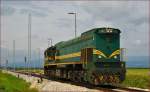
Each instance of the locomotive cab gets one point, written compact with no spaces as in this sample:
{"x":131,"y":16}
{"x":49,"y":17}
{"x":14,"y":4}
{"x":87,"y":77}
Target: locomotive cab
{"x":108,"y":65}
{"x":49,"y":54}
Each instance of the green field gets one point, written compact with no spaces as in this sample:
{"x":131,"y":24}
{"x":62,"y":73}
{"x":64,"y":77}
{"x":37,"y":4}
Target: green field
{"x":9,"y":83}
{"x":137,"y":78}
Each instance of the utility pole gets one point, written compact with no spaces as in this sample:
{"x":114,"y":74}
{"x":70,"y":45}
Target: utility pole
{"x":14,"y":54}
{"x":0,"y":48}
{"x":25,"y":61}
{"x":6,"y":64}
{"x":7,"y":56}
{"x":39,"y":54}
{"x":50,"y":41}
{"x":29,"y":40}
{"x":38,"y":57}
{"x":34,"y":62}
{"x":75,"y":20}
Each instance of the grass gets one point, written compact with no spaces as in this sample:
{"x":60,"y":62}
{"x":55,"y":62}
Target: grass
{"x":36,"y":71}
{"x":9,"y":83}
{"x":137,"y":78}
{"x":32,"y":70}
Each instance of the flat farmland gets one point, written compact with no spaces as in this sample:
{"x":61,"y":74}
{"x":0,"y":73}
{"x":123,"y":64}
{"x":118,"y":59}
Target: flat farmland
{"x":10,"y":83}
{"x":136,"y":77}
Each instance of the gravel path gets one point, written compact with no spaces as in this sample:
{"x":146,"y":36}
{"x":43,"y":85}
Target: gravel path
{"x":52,"y":86}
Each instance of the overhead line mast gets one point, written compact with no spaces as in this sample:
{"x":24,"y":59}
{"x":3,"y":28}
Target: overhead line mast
{"x":0,"y":45}
{"x":50,"y":41}
{"x":14,"y":54}
{"x":29,"y":40}
{"x":75,"y":21}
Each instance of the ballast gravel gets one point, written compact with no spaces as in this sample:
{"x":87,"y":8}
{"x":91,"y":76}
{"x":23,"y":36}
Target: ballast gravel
{"x":52,"y":86}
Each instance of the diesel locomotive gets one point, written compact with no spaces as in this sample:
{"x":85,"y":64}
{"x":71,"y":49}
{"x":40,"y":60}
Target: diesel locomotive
{"x":95,"y":57}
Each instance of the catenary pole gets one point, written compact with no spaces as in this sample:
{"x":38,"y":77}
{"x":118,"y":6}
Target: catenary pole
{"x":29,"y":41}
{"x":14,"y":55}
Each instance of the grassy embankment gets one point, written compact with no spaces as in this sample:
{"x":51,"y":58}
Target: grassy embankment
{"x":137,"y":78}
{"x":9,"y":83}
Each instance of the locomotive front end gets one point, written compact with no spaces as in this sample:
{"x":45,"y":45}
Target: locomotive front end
{"x":108,"y":66}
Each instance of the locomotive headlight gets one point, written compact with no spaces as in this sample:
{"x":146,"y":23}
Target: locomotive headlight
{"x":115,"y":57}
{"x":122,"y":65}
{"x":99,"y":56}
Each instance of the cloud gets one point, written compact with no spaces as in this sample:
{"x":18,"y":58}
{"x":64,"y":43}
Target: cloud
{"x":63,"y":22}
{"x":7,"y":11}
{"x":25,"y":7}
{"x":33,"y":12}
{"x":103,"y":24}
{"x":50,"y":20}
{"x":138,"y":42}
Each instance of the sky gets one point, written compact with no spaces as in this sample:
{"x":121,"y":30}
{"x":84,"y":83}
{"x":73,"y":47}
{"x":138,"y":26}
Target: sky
{"x":50,"y":19}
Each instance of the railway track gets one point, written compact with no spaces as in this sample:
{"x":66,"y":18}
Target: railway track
{"x":104,"y":88}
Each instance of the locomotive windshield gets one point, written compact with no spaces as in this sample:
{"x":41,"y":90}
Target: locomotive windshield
{"x":110,"y":38}
{"x":107,"y":43}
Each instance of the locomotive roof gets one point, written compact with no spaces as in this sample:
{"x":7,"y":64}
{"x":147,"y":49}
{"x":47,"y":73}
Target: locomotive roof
{"x":50,"y":48}
{"x":102,"y":30}
{"x":88,"y":33}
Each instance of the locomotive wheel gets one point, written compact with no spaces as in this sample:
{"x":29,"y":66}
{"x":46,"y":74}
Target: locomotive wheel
{"x":94,"y":80}
{"x":71,"y":75}
{"x":117,"y":80}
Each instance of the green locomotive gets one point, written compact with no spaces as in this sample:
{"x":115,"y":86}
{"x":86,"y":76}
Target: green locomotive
{"x":94,"y":57}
